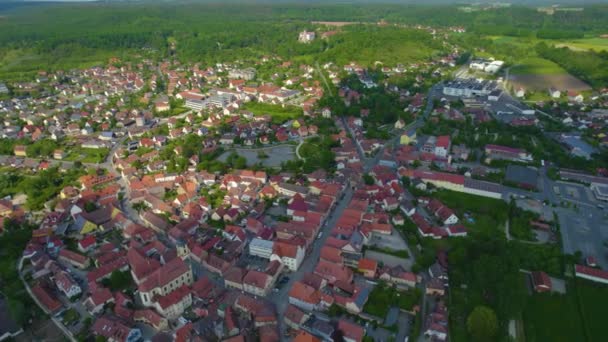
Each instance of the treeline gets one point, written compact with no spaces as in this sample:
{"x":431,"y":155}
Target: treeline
{"x":590,"y":66}
{"x":548,"y":33}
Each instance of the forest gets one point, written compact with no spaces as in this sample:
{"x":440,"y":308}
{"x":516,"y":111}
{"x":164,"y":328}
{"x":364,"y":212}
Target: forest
{"x":63,"y":36}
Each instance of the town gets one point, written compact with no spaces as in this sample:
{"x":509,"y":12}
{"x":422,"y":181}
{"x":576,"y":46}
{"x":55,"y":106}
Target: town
{"x":279,"y":200}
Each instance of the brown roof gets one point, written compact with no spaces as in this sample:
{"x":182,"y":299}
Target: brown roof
{"x":304,"y":293}
{"x":45,"y":298}
{"x":165,"y":274}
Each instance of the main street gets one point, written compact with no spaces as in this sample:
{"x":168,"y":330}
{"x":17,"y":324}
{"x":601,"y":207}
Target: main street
{"x":281,"y":298}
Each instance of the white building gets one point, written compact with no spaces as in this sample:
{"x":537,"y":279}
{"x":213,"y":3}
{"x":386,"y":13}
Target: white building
{"x":289,"y":255}
{"x":67,"y":285}
{"x":306,"y":36}
{"x":261,"y":248}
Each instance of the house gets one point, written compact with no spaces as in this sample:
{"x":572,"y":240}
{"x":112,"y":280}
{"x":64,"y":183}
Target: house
{"x":351,"y":332}
{"x":113,"y":329}
{"x":257,"y":283}
{"x":303,"y":336}
{"x":163,"y":281}
{"x":540,"y":281}
{"x":400,"y":124}
{"x":261,"y":248}
{"x":48,"y":300}
{"x":67,"y":285}
{"x":151,"y":318}
{"x":304,"y":296}
{"x":306,"y":36}
{"x":592,"y":274}
{"x":574,"y":96}
{"x":98,"y":299}
{"x":289,"y":255}
{"x":408,"y":137}
{"x":233,"y":278}
{"x":442,"y":146}
{"x":398,"y":276}
{"x":74,"y":259}
{"x":368,"y":267}
{"x":173,"y":305}
{"x":294,"y":317}
{"x":20,"y":151}
{"x":87,"y":243}
{"x":326,"y":112}
{"x":58,"y":154}
{"x":333,"y":272}
{"x":554,"y":93}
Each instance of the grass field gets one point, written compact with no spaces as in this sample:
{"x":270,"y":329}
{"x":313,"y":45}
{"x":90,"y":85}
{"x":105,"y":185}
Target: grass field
{"x":593,"y":301}
{"x":597,"y":44}
{"x":551,"y":317}
{"x":279,"y":114}
{"x":88,"y":155}
{"x":536,"y":66}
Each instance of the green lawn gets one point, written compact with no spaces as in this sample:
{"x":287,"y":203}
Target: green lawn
{"x":397,"y":253}
{"x":279,"y":114}
{"x":593,"y":301}
{"x":383,"y":297}
{"x":536,"y":66}
{"x":88,"y":155}
{"x":552,"y":317}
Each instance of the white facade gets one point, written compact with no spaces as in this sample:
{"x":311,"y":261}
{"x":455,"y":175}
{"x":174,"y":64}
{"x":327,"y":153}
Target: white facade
{"x":292,"y":263}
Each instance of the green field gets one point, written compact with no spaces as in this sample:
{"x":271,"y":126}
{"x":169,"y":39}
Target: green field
{"x":552,"y":317}
{"x":88,"y":155}
{"x":597,"y":44}
{"x":593,"y":301}
{"x":279,"y":114}
{"x":579,"y":315}
{"x":536,"y":66}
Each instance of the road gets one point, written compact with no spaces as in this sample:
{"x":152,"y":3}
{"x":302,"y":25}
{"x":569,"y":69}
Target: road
{"x":281,"y":298}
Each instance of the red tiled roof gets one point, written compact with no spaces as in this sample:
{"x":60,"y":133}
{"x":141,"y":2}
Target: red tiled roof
{"x":351,"y":331}
{"x":79,"y":258}
{"x":304,"y":293}
{"x":367,"y":264}
{"x":303,"y":336}
{"x":45,"y":298}
{"x":165,"y":274}
{"x":174,"y":297}
{"x":592,"y":272}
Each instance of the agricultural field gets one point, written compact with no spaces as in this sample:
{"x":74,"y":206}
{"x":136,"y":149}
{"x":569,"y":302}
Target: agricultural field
{"x":544,"y":310}
{"x":536,"y":73}
{"x":593,"y":299}
{"x":279,"y":114}
{"x":585,"y":44}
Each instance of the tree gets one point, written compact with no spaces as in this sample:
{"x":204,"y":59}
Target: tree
{"x":369,"y":180}
{"x":120,"y":280}
{"x":482,"y":324}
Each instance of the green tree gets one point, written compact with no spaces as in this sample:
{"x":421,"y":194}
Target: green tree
{"x":482,"y":324}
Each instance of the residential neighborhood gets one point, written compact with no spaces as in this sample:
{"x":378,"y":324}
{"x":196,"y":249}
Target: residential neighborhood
{"x":290,"y":199}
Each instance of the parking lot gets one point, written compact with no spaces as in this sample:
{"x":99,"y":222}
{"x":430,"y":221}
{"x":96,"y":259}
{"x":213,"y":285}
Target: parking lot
{"x":585,"y":230}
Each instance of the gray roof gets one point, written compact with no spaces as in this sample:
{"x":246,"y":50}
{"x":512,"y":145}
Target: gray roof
{"x":522,"y":175}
